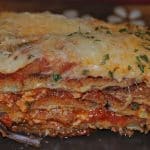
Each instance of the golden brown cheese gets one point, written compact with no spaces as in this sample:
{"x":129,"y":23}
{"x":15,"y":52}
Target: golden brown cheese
{"x":94,"y":48}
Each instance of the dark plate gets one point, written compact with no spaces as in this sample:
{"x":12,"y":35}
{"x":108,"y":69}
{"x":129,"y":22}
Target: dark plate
{"x":100,"y":140}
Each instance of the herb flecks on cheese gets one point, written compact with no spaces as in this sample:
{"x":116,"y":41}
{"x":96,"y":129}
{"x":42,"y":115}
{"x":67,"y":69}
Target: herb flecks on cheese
{"x":73,"y":46}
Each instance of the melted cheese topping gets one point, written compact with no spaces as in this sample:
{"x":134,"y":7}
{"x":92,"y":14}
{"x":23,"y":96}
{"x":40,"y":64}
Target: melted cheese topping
{"x":11,"y":62}
{"x":97,"y":48}
{"x":89,"y":54}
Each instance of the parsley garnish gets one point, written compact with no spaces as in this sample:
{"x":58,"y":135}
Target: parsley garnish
{"x":85,"y":72}
{"x":123,"y":30}
{"x":96,"y":28}
{"x":96,"y":40}
{"x":56,"y":77}
{"x":141,"y":67}
{"x":135,"y":50}
{"x":134,"y":106}
{"x":111,"y":74}
{"x":139,"y":59}
{"x":139,"y":34}
{"x":108,"y":32}
{"x":144,"y":58}
{"x":86,"y":34}
{"x":139,"y":64}
{"x":72,"y":33}
{"x":105,"y":58}
{"x":27,"y":103}
{"x":30,"y":56}
{"x":129,"y":67}
{"x":89,"y":36}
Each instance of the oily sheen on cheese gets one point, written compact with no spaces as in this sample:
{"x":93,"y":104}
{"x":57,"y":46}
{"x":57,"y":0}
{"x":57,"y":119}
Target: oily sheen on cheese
{"x":92,"y":46}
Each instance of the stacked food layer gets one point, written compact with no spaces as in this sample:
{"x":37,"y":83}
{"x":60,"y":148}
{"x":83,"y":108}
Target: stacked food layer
{"x":67,"y":77}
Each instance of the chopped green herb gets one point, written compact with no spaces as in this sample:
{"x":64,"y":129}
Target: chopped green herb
{"x":141,"y":67}
{"x":27,"y":103}
{"x":15,"y":57}
{"x":79,"y":29}
{"x":135,"y":50}
{"x":96,"y":28}
{"x":139,"y":64}
{"x":56,"y":77}
{"x":30,"y":56}
{"x":139,"y":34}
{"x":115,"y":69}
{"x":89,"y":37}
{"x":144,"y":58}
{"x":138,"y":59}
{"x":87,"y":33}
{"x":105,"y":58}
{"x":134,"y":106}
{"x":108,"y":32}
{"x":72,"y":33}
{"x":123,"y":30}
{"x":96,"y":40}
{"x":129,"y":67}
{"x":85,"y":72}
{"x":111,"y":74}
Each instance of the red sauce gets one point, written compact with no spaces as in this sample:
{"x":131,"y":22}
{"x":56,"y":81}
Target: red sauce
{"x":6,"y":120}
{"x":104,"y":115}
{"x":37,"y":66}
{"x":66,"y":66}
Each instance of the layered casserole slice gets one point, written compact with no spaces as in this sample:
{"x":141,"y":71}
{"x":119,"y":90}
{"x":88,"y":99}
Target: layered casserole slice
{"x":67,"y":77}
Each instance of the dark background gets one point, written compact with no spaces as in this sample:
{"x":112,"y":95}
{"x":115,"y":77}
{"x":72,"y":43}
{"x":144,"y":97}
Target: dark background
{"x":100,"y":140}
{"x":97,"y":8}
